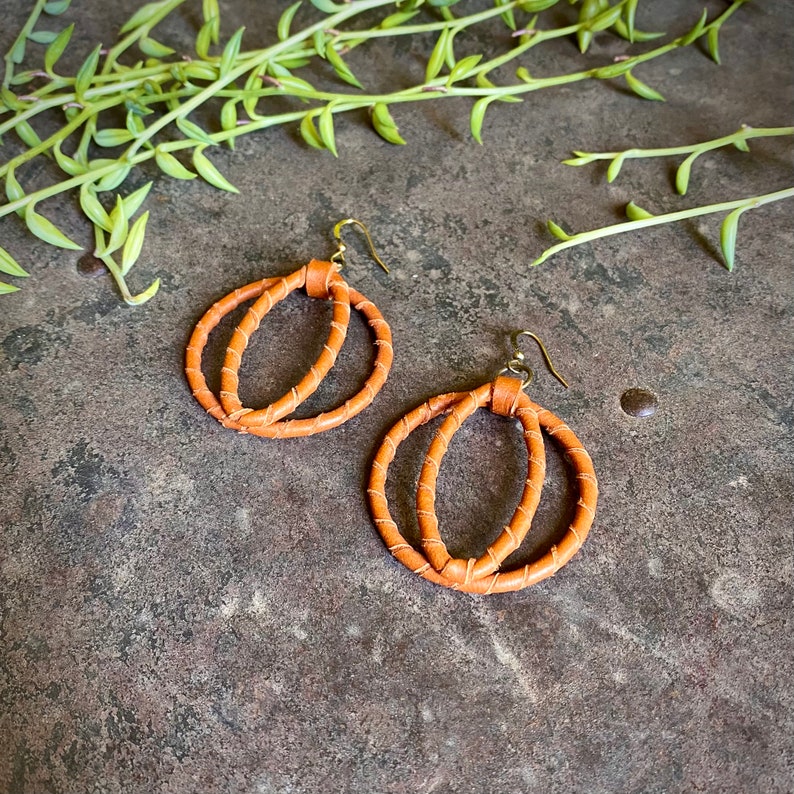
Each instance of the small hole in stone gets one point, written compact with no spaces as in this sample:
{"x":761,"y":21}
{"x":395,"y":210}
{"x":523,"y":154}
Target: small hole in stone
{"x":89,"y":265}
{"x":639,"y":402}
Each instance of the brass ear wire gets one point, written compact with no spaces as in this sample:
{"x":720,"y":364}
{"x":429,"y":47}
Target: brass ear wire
{"x":339,"y":256}
{"x":518,"y":366}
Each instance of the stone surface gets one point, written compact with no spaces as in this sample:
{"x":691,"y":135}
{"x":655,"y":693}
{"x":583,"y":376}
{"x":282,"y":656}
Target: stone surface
{"x":186,"y":609}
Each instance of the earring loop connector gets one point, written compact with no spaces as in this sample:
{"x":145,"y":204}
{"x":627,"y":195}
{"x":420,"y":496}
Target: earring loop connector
{"x":338,"y":257}
{"x":518,"y":366}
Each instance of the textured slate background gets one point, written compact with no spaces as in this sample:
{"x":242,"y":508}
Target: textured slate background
{"x":185,"y":609}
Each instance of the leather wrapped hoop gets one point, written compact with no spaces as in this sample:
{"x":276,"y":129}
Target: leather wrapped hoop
{"x":482,"y":575}
{"x":321,"y":280}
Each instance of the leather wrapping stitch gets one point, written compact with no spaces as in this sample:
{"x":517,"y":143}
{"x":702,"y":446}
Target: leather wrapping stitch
{"x":462,"y":574}
{"x":271,"y":421}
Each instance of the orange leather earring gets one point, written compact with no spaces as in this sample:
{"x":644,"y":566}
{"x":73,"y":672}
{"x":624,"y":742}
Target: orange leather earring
{"x":322,"y":280}
{"x":504,"y":396}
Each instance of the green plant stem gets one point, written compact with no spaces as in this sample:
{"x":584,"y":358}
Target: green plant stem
{"x":186,"y":85}
{"x":27,"y":28}
{"x":247,"y":65}
{"x":745,"y":133}
{"x":670,"y":217}
{"x":345,"y":102}
{"x":111,"y":59}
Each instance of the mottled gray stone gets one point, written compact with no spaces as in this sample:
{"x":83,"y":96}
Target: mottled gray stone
{"x":185,"y":609}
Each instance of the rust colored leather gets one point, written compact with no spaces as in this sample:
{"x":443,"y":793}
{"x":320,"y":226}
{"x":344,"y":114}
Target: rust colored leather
{"x":505,"y":398}
{"x":323,"y":279}
{"x":482,"y":575}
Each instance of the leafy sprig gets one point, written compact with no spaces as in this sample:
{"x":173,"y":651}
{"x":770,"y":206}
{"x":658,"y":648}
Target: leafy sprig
{"x":160,"y":96}
{"x":639,"y":218}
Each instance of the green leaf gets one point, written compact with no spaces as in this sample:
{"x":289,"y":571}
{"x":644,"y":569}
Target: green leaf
{"x":57,"y":47}
{"x":5,"y":289}
{"x":522,"y":73}
{"x":385,"y":125}
{"x":119,"y":228}
{"x":113,"y":178}
{"x":204,"y":39}
{"x":168,"y":164}
{"x":397,"y":19}
{"x":309,"y":133}
{"x":328,"y":7}
{"x":534,"y":6}
{"x":56,"y":7}
{"x":112,"y":136}
{"x":229,"y":115}
{"x":629,"y":14}
{"x":713,"y":41}
{"x":154,"y":49}
{"x":10,"y":265}
{"x":622,"y":30}
{"x":27,"y":133}
{"x":48,"y":231}
{"x":340,"y":67}
{"x":23,"y":78}
{"x":135,"y":124}
{"x":437,"y":56}
{"x":14,"y":190}
{"x":637,"y":213}
{"x":10,"y":99}
{"x":606,"y":19}
{"x":142,"y":297}
{"x":730,"y":226}
{"x":18,"y":53}
{"x":43,"y":36}
{"x":319,"y":42}
{"x":507,"y":16}
{"x":462,"y":68}
{"x":581,"y":160}
{"x":558,"y":231}
{"x":643,"y":90}
{"x":278,"y":70}
{"x":612,"y":70}
{"x":682,"y":174}
{"x":66,"y":163}
{"x":134,"y":243}
{"x":133,"y":202}
{"x":326,"y":128}
{"x":615,"y":166}
{"x":251,"y":101}
{"x":92,"y":209}
{"x":210,"y":173}
{"x":87,"y":71}
{"x":588,"y":10}
{"x":231,"y":51}
{"x":143,"y":15}
{"x":478,"y":115}
{"x":200,"y":71}
{"x":193,"y":131}
{"x":693,"y":34}
{"x":741,"y":145}
{"x":210,"y":9}
{"x":292,"y":83}
{"x":293,"y":63}
{"x":285,"y":21}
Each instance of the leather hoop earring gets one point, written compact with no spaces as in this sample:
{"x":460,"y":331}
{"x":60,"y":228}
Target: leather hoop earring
{"x":504,"y":396}
{"x":321,"y":279}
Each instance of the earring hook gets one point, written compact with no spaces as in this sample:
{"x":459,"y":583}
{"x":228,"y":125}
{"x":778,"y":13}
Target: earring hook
{"x":339,"y":256}
{"x":517,"y":365}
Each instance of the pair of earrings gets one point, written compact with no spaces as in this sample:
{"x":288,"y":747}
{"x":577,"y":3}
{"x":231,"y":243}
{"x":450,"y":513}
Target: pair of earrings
{"x":504,"y":396}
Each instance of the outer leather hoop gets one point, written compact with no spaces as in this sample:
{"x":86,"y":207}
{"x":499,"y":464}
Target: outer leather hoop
{"x":322,"y":280}
{"x":433,"y":562}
